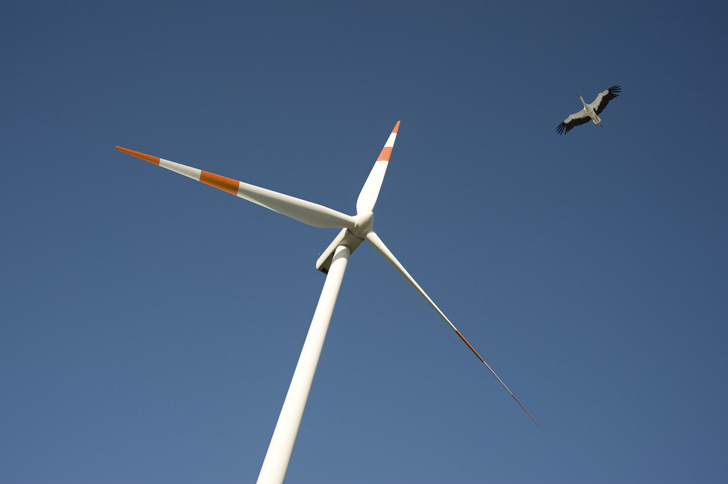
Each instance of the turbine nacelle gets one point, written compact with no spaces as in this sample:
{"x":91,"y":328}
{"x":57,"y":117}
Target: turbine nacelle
{"x":346,"y":238}
{"x":352,"y":238}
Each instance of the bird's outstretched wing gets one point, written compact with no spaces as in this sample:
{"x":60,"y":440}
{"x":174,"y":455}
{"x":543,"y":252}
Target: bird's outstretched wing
{"x":604,"y":97}
{"x":574,"y":120}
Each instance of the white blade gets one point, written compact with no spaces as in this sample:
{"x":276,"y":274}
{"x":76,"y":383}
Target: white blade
{"x":370,"y":191}
{"x":301,"y":210}
{"x":373,"y":239}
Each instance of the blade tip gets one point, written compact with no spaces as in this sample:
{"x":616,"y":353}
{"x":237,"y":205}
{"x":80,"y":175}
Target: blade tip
{"x":524,"y":409}
{"x":143,"y":156}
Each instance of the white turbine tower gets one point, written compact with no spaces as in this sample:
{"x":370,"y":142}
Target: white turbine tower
{"x":354,"y":230}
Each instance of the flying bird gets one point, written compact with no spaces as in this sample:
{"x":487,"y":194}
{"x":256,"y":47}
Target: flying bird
{"x":590,"y":111}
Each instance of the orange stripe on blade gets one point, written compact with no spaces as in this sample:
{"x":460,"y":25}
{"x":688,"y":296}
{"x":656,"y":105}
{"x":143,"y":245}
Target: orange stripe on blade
{"x":469,"y":346}
{"x":222,"y":182}
{"x":149,"y":158}
{"x":396,"y":127}
{"x":385,"y":154}
{"x":524,"y":409}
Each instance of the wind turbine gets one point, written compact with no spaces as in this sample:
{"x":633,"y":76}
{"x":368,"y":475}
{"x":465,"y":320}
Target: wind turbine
{"x":354,"y":230}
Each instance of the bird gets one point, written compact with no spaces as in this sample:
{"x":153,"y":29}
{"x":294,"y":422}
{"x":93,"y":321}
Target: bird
{"x":590,"y":111}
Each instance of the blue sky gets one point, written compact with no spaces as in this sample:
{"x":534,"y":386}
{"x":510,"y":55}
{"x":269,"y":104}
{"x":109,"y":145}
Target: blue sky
{"x":150,"y":324}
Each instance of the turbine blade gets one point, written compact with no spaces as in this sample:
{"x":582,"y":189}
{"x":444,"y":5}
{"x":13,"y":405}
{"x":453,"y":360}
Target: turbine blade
{"x":370,"y":191}
{"x":373,"y":239}
{"x":301,"y":210}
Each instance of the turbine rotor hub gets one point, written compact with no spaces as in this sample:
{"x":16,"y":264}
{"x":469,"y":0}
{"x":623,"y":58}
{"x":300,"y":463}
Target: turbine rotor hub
{"x":363,"y":223}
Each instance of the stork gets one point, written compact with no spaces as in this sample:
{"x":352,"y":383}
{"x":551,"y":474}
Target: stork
{"x":590,"y":111}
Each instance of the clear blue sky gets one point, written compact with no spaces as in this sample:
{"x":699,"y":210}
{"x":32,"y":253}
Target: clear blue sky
{"x":150,"y":324}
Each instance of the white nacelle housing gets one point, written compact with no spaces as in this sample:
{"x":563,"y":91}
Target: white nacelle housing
{"x":344,"y":238}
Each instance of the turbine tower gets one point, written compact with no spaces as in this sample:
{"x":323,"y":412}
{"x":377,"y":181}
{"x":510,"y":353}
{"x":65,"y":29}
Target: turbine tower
{"x":354,"y":230}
